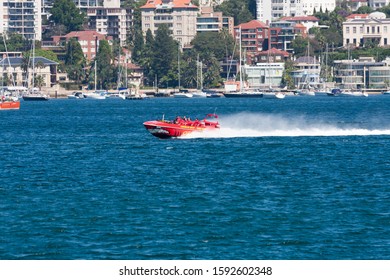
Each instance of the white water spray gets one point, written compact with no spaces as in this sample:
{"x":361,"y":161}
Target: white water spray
{"x":272,"y":125}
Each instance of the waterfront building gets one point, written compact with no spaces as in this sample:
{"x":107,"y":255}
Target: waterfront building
{"x":362,"y":73}
{"x":306,"y":72}
{"x":375,"y":28}
{"x":267,"y":10}
{"x":264,"y":75}
{"x":22,"y":17}
{"x":13,"y":66}
{"x":179,"y":15}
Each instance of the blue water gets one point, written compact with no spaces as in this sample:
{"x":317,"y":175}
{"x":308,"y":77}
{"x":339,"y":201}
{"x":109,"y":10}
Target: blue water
{"x":298,"y":178}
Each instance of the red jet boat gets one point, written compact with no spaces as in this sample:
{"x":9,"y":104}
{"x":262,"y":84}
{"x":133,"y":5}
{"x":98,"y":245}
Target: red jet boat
{"x":180,"y":126}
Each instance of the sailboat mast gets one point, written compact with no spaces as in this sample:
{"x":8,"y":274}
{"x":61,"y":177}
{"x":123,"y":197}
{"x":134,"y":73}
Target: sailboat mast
{"x":178,"y":61}
{"x":95,"y":75}
{"x":33,"y":62}
{"x":240,"y":69}
{"x":9,"y":62}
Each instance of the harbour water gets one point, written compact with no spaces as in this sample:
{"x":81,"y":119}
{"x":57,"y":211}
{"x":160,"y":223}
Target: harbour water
{"x":298,"y":178}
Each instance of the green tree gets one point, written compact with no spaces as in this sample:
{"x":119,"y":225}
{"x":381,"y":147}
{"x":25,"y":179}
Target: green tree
{"x":300,"y":46}
{"x":75,"y":61}
{"x":210,"y":44}
{"x":238,"y":9}
{"x":164,"y":53}
{"x":39,"y":81}
{"x":212,"y":77}
{"x":138,"y":45}
{"x":105,"y":69}
{"x":146,"y":58}
{"x":364,"y":10}
{"x":287,"y":80}
{"x":15,"y":42}
{"x":65,"y":12}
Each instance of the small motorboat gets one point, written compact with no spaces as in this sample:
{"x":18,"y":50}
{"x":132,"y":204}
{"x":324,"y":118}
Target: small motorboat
{"x":9,"y":103}
{"x":76,"y":95}
{"x":180,"y":126}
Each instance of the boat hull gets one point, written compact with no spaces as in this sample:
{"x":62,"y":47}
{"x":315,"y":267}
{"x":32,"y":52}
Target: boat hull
{"x":9,"y":105}
{"x":243,"y":95}
{"x":35,"y":98}
{"x":165,"y":129}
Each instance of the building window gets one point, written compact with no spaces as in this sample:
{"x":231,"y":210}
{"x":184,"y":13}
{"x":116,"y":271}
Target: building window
{"x":368,"y":29}
{"x":178,"y":32}
{"x":385,"y":29}
{"x":354,"y":30}
{"x":347,"y":30}
{"x":361,"y":29}
{"x":385,"y":41}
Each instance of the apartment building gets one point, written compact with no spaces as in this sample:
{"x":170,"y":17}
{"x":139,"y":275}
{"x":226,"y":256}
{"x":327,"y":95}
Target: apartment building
{"x":374,"y":28}
{"x":88,"y":40}
{"x":22,"y":17}
{"x":283,"y":33}
{"x":210,"y":21}
{"x":110,"y":19}
{"x":254,"y":35}
{"x":179,"y":15}
{"x":270,"y":10}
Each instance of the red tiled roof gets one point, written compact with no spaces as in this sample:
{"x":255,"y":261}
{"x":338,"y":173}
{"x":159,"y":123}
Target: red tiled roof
{"x":275,"y":51}
{"x":301,"y":18}
{"x":252,"y":24}
{"x":150,"y":4}
{"x":85,"y":35}
{"x":353,"y":16}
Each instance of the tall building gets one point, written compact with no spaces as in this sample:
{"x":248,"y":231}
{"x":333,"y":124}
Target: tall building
{"x":109,"y":19}
{"x":269,"y":10}
{"x":104,"y":16}
{"x":179,"y":15}
{"x":22,"y":17}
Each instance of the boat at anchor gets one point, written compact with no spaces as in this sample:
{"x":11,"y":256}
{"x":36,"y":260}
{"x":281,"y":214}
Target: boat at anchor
{"x":180,"y":126}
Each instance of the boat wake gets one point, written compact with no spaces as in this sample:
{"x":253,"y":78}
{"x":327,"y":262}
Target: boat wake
{"x":271,"y":125}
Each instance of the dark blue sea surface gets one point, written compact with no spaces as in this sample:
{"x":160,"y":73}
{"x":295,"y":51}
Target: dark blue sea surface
{"x":298,"y":178}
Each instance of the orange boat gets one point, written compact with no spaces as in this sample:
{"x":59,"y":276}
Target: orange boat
{"x":180,"y":126}
{"x":9,"y":104}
